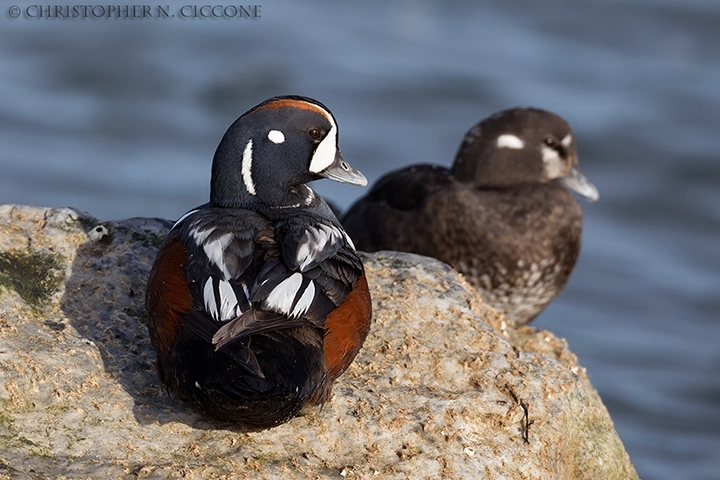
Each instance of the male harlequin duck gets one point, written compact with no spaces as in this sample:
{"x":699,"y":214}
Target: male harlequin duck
{"x":257,"y":300}
{"x":501,"y":215}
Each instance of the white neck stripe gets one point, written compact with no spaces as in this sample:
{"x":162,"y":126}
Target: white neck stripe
{"x":247,"y":168}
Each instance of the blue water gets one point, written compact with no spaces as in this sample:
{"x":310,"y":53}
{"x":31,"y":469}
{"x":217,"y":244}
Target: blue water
{"x":120,"y":117}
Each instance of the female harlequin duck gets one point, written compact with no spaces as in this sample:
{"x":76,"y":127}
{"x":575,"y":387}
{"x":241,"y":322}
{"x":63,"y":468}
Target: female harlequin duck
{"x":501,"y":215}
{"x":257,"y":300}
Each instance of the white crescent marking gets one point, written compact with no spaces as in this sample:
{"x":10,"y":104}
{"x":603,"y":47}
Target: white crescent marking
{"x":246,"y":168}
{"x":325,"y":153}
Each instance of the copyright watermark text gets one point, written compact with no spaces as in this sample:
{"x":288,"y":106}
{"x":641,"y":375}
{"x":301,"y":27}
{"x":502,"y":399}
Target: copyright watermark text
{"x":94,"y":12}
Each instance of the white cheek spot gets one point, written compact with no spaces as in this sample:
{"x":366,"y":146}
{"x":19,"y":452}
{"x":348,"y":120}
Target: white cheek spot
{"x":276,"y":136}
{"x":325,"y":152}
{"x":552,"y":163}
{"x":565,"y":142}
{"x":247,"y":168}
{"x":510,"y":141}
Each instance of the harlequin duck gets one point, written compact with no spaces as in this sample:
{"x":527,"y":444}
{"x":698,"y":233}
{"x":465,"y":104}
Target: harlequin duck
{"x":257,"y":300}
{"x":502,"y":215}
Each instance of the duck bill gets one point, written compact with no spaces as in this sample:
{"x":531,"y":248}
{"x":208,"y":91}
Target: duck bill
{"x":577,"y":182}
{"x":341,"y":171}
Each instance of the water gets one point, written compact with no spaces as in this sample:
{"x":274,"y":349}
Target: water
{"x":120,"y":117}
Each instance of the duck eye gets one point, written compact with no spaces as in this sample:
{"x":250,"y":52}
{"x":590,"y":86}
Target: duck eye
{"x":315,"y":133}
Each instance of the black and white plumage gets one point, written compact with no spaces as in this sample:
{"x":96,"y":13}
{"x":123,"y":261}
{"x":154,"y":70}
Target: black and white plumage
{"x":248,"y":296}
{"x":502,"y":215}
{"x":252,"y":275}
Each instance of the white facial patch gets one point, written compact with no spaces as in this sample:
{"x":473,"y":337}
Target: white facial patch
{"x":276,"y":136}
{"x":553,"y":165}
{"x":510,"y":141}
{"x":247,"y":168}
{"x":565,"y":142}
{"x":325,"y":152}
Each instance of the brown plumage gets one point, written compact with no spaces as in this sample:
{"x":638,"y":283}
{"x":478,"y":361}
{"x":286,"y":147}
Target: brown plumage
{"x":502,"y":215}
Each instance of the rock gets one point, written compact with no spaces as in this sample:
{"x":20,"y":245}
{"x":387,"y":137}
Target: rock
{"x":442,"y":389}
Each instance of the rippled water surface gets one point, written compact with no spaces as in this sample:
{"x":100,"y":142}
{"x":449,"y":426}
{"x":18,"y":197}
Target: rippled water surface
{"x":120,"y":117}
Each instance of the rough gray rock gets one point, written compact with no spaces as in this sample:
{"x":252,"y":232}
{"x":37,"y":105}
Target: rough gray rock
{"x":442,"y":389}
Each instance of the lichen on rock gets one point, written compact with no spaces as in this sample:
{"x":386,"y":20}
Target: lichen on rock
{"x":34,"y":276}
{"x":443,"y":388}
